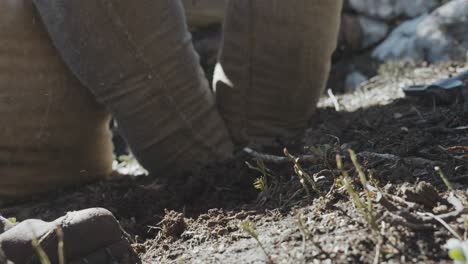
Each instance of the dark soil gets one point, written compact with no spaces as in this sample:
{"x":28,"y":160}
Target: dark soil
{"x":198,"y":218}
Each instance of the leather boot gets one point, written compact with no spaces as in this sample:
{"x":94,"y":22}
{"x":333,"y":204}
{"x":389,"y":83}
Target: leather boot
{"x":273,"y":66}
{"x":53,"y":133}
{"x":137,"y":58}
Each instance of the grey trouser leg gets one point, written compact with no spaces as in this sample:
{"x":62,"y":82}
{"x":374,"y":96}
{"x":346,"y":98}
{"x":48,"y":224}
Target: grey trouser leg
{"x":274,"y":64}
{"x":137,"y":59}
{"x":53,"y":133}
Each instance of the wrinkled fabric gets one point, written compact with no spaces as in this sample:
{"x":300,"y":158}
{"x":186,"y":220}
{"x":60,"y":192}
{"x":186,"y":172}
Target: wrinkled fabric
{"x":138,"y":60}
{"x":273,"y":66}
{"x":53,"y":133}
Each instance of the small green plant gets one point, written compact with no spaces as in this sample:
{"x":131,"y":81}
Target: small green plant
{"x":458,"y":250}
{"x":458,"y":247}
{"x":43,"y":258}
{"x":260,"y":183}
{"x":12,"y":220}
{"x":450,"y":187}
{"x":250,"y":228}
{"x":302,"y":226}
{"x":366,"y":206}
{"x":444,"y":179}
{"x":304,"y":177}
{"x":61,"y":251}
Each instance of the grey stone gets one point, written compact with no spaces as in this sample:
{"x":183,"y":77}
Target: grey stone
{"x":391,"y":9}
{"x":438,"y":37}
{"x":354,"y":80}
{"x":401,"y":44}
{"x":373,"y":31}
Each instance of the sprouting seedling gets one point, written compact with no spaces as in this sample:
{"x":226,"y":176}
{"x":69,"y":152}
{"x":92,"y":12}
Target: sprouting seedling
{"x":449,"y":185}
{"x":444,"y":178}
{"x":304,"y":177}
{"x":260,"y":183}
{"x":61,"y":251}
{"x":458,"y":250}
{"x":43,"y":258}
{"x":365,"y":207}
{"x":362,"y":175}
{"x":346,"y":182}
{"x":302,"y":226}
{"x":250,"y":228}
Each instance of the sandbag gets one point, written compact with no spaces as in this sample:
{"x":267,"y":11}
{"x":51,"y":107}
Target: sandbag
{"x":273,"y":66}
{"x":52,"y":132}
{"x":138,"y":59}
{"x":203,"y":13}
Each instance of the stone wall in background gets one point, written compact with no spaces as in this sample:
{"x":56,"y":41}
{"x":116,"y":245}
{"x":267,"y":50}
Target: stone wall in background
{"x":421,"y":30}
{"x":432,"y":31}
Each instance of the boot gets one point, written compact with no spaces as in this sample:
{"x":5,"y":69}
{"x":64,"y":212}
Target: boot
{"x":137,"y":58}
{"x":274,"y":63}
{"x":53,"y":133}
{"x":88,"y":236}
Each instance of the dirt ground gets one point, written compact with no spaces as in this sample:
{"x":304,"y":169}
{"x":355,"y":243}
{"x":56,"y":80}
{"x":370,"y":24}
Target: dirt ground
{"x":205,"y":216}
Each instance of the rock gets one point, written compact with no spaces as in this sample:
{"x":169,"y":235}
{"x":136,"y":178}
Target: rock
{"x":444,"y":34}
{"x":354,"y":80}
{"x":359,"y":32}
{"x":401,"y":44}
{"x":373,"y":31}
{"x":437,"y":37}
{"x":392,"y":9}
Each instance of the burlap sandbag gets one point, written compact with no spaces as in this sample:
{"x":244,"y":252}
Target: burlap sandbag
{"x":274,"y":65}
{"x":52,"y":132}
{"x":138,"y":60}
{"x":203,"y":13}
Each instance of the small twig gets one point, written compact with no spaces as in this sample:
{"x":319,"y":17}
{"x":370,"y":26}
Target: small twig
{"x":401,"y":221}
{"x":415,"y":161}
{"x":461,"y":128}
{"x":377,"y":252}
{"x":373,"y":155}
{"x":336,"y":104}
{"x":277,"y":159}
{"x":459,"y":210}
{"x":409,"y":205}
{"x":455,"y":148}
{"x":440,"y":220}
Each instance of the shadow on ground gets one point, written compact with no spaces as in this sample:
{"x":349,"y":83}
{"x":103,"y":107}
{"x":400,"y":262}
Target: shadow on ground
{"x":398,"y":143}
